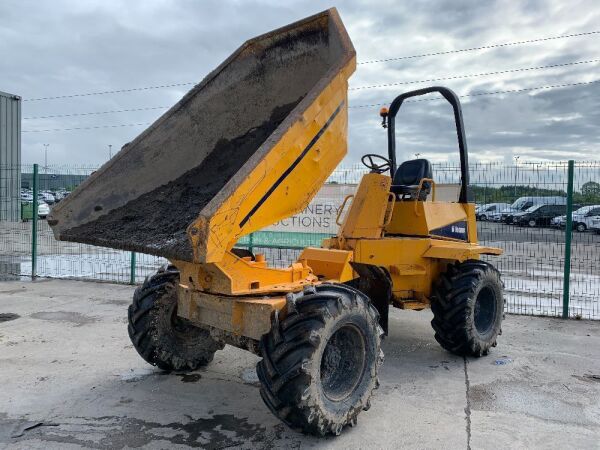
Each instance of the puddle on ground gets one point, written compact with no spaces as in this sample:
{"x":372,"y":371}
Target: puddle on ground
{"x":15,"y":428}
{"x":216,"y":432}
{"x":7,"y":317}
{"x":526,"y":399}
{"x":64,"y":316}
{"x":189,"y":377}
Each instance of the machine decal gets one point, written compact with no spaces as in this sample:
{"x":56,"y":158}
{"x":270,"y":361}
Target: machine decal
{"x":293,"y":166}
{"x":456,"y":230}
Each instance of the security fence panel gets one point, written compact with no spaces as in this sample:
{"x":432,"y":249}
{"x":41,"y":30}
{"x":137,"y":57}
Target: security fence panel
{"x":521,"y":209}
{"x":584,"y":292}
{"x":531,"y":230}
{"x":533,"y":258}
{"x":15,"y":232}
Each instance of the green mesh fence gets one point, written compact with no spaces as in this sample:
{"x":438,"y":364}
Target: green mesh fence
{"x":532,"y":264}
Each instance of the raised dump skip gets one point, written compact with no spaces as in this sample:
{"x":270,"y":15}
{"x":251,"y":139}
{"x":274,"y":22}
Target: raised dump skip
{"x":147,"y":196}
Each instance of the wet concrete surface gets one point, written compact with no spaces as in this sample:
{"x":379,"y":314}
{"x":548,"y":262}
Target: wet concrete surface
{"x":71,"y":379}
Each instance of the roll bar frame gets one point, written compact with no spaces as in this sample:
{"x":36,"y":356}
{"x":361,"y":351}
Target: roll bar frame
{"x":452,"y":98}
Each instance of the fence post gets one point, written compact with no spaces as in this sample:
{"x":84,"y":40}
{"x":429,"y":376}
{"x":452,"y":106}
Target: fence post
{"x":132,"y":269}
{"x":569,"y":232}
{"x":251,"y":242}
{"x":34,"y":220}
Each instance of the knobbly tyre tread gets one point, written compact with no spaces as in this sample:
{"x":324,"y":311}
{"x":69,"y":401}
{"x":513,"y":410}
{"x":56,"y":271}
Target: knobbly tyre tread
{"x":452,"y":304}
{"x":292,"y":351}
{"x":151,"y":332}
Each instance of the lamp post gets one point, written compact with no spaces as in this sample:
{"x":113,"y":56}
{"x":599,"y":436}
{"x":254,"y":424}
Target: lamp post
{"x":516,"y":173}
{"x":46,"y":165}
{"x":109,"y":151}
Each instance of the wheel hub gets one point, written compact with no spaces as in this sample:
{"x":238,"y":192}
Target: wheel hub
{"x":485,"y":310}
{"x":343,"y":363}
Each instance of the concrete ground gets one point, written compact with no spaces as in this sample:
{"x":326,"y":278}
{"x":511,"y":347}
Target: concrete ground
{"x":71,"y":379}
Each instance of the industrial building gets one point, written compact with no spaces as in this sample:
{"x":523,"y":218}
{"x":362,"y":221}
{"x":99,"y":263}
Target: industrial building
{"x":10,"y":156}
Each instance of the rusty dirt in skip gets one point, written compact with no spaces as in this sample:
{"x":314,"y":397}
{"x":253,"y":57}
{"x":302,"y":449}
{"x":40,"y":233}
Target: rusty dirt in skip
{"x":142,"y":223}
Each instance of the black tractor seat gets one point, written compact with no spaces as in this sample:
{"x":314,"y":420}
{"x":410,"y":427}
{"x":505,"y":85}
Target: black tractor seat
{"x":407,"y":178}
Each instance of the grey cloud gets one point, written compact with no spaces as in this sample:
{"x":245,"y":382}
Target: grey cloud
{"x":63,"y":47}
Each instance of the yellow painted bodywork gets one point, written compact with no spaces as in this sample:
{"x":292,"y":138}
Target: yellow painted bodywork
{"x":241,"y":276}
{"x":239,"y":294}
{"x":328,"y":264}
{"x":307,"y":152}
{"x":414,"y":218}
{"x":368,"y":210}
{"x":404,"y":244}
{"x":377,"y":230}
{"x":244,"y":316}
{"x":212,"y":236}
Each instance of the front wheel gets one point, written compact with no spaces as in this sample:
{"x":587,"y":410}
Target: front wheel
{"x":320,"y":362}
{"x":161,"y":337}
{"x":532,"y":223}
{"x":468,"y":308}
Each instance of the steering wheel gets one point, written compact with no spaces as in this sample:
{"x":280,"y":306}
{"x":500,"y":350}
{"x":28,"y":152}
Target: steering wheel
{"x":368,"y":162}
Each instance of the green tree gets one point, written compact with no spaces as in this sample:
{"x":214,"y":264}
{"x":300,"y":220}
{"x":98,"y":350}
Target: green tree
{"x":591,"y":188}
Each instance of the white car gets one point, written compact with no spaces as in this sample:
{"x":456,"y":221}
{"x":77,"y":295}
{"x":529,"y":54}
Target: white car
{"x":484,"y":211}
{"x":501,"y":215}
{"x":582,"y":218}
{"x":43,"y":210}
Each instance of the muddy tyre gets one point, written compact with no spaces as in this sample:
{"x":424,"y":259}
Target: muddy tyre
{"x":320,"y":362}
{"x":468,"y":308}
{"x":159,"y":336}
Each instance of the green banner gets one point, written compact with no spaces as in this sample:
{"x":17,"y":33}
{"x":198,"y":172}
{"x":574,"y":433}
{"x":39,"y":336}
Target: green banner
{"x":285,"y":239}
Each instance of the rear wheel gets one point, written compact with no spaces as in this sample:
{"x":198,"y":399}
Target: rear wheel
{"x":468,"y":308}
{"x":161,"y":337}
{"x":320,"y":362}
{"x":532,"y":223}
{"x":580,"y":227}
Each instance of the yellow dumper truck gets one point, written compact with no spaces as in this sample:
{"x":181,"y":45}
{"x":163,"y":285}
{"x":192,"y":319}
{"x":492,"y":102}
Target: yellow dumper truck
{"x":248,"y":146}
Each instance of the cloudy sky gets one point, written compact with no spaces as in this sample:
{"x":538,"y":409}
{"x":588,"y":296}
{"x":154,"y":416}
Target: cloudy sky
{"x":68,"y":47}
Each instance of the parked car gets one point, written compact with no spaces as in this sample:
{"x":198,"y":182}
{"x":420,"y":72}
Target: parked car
{"x":582,"y":217}
{"x":484,"y":211}
{"x":27,"y":210}
{"x":538,"y":215}
{"x":47,"y":197}
{"x":524,"y":203}
{"x":595,"y":225}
